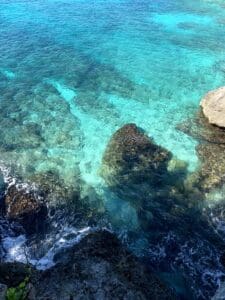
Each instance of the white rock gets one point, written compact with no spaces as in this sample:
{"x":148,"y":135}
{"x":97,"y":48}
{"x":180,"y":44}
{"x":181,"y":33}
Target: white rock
{"x":213,"y":106}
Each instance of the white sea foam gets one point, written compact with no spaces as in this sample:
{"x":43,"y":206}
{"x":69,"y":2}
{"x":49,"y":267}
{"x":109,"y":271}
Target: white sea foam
{"x":6,"y":172}
{"x":17,"y":248}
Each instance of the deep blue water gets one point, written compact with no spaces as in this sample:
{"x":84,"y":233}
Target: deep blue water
{"x":72,"y":72}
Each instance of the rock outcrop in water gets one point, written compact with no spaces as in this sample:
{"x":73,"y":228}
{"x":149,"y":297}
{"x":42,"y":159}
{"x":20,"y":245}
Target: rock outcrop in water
{"x":147,"y":177}
{"x":131,"y":157}
{"x":213,"y":106}
{"x":24,"y":207}
{"x":99,"y":267}
{"x":211,"y":150}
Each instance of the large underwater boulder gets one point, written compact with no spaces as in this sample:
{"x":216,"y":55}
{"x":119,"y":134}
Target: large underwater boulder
{"x":132,"y":157}
{"x":213,"y":106}
{"x":25,"y":207}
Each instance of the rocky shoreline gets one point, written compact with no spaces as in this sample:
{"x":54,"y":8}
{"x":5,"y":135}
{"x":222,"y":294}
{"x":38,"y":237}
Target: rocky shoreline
{"x":98,"y":267}
{"x":147,"y":176}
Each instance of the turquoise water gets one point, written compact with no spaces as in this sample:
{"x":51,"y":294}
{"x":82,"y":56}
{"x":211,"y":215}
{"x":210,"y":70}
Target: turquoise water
{"x":73,"y":72}
{"x":113,"y":62}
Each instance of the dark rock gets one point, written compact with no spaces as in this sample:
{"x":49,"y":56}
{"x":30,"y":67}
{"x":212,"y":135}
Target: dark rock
{"x":212,"y":171}
{"x":24,"y":207}
{"x":132,"y":157}
{"x":145,"y":175}
{"x":2,"y":183}
{"x":99,"y":267}
{"x":12,"y":274}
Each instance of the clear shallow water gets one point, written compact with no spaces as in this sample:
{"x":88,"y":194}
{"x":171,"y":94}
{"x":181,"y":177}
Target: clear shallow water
{"x":73,"y":72}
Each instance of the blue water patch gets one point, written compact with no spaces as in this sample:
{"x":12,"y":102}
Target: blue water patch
{"x":8,"y":74}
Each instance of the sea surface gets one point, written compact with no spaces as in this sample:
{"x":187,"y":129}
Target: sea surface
{"x":72,"y":72}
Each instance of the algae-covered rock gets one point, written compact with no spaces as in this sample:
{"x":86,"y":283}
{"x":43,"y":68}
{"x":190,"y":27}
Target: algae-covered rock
{"x":211,"y":151}
{"x":25,"y":207}
{"x":212,"y":170}
{"x":132,"y":157}
{"x":213,"y":106}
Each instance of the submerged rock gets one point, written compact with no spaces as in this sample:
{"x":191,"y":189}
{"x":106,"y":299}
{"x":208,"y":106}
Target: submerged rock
{"x":18,"y":276}
{"x":132,"y":157}
{"x":24,"y":207}
{"x":147,"y":177}
{"x":212,"y":170}
{"x":213,"y":106}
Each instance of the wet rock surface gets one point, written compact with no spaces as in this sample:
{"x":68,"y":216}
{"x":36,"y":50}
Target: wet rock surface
{"x":211,"y":151}
{"x":25,"y":208}
{"x":12,"y":274}
{"x":132,"y":157}
{"x":99,"y":267}
{"x":213,"y":106}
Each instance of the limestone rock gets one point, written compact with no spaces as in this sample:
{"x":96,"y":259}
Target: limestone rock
{"x":212,"y":170}
{"x":213,"y":106}
{"x":13,"y":273}
{"x":211,"y":151}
